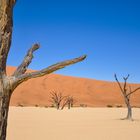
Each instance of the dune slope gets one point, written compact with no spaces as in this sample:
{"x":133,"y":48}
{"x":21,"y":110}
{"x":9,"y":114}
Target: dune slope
{"x":86,"y":91}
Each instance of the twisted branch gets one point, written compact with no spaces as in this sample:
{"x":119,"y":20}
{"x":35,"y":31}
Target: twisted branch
{"x":48,"y":70}
{"x":22,"y":68}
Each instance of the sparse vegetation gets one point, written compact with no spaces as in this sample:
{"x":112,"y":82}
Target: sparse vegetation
{"x":36,"y":105}
{"x":83,"y":105}
{"x":110,"y":106}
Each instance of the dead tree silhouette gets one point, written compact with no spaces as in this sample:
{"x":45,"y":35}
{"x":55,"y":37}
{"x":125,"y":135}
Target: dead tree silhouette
{"x":126,"y":94}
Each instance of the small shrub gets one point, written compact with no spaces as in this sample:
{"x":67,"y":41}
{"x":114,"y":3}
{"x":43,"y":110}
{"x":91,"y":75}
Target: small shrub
{"x":36,"y":105}
{"x":110,"y":106}
{"x":52,"y":106}
{"x":83,"y":105}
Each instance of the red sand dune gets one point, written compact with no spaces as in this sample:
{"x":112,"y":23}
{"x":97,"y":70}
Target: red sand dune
{"x":86,"y":91}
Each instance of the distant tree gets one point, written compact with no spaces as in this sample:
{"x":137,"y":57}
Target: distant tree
{"x":64,"y":103}
{"x":57,"y":98}
{"x":68,"y":101}
{"x":71,"y":101}
{"x":126,"y":92}
{"x":9,"y":83}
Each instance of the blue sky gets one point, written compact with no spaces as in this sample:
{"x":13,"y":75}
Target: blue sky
{"x":108,"y":31}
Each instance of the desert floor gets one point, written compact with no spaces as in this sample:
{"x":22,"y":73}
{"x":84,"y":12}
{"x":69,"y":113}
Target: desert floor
{"x":30,"y":123}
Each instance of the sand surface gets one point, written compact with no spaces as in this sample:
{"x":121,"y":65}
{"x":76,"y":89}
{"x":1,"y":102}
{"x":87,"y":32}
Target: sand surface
{"x":30,"y":123}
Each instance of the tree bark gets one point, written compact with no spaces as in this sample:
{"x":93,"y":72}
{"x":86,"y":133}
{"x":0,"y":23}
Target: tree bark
{"x":129,"y":110}
{"x":4,"y":108}
{"x":64,"y":104}
{"x":69,"y":105}
{"x":5,"y":95}
{"x":26,"y":76}
{"x":57,"y":106}
{"x":22,"y":68}
{"x":6,"y":24}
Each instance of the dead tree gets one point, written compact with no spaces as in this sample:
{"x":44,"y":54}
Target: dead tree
{"x":9,"y":83}
{"x":57,"y":98}
{"x":64,"y":103}
{"x":126,"y":92}
{"x":68,"y":101}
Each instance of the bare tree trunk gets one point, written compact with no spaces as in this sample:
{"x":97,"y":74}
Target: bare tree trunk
{"x":64,"y":104}
{"x":6,"y":24}
{"x":62,"y":107}
{"x":4,"y":108}
{"x":57,"y":106}
{"x":69,"y":105}
{"x":129,"y":109}
{"x":72,"y":104}
{"x":5,"y":94}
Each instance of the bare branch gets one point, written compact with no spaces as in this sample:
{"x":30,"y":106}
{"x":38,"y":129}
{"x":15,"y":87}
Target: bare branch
{"x":125,"y":84}
{"x":54,"y":97}
{"x":119,"y":83}
{"x":65,"y":102}
{"x":57,"y":98}
{"x":27,"y":60}
{"x":126,"y":78}
{"x":47,"y":70}
{"x":69,"y":101}
{"x":6,"y":24}
{"x":133,"y":91}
